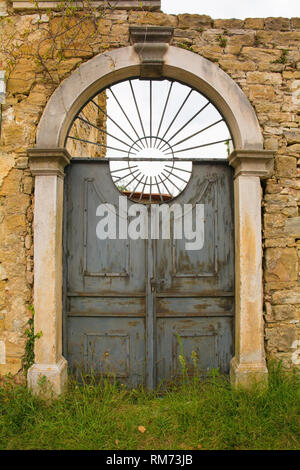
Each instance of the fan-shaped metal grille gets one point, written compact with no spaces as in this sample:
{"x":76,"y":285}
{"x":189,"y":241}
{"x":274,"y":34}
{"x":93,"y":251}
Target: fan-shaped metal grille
{"x":151,"y":131}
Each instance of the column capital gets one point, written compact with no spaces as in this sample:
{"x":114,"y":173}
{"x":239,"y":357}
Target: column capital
{"x":48,"y":161}
{"x":252,"y":163}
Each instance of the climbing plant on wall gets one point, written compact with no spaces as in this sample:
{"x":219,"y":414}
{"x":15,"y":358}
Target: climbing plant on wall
{"x":71,"y":29}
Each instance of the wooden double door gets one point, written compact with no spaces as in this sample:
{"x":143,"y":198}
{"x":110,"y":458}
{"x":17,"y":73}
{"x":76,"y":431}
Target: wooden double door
{"x":133,"y":306}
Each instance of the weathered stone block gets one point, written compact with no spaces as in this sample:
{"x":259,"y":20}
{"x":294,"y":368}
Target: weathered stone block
{"x":119,"y":30}
{"x":118,"y":16}
{"x":286,"y":297}
{"x":264,"y":78}
{"x":15,"y":222}
{"x":13,"y":366}
{"x":286,"y":166}
{"x":281,"y":338}
{"x":184,"y":33}
{"x":265,"y":56}
{"x":271,"y":143}
{"x":3,"y":8}
{"x":3,"y":273}
{"x":281,"y":264}
{"x":285,"y":312}
{"x":295,"y":22}
{"x":261,"y":92}
{"x":294,"y":148}
{"x":153,"y":19}
{"x":277,"y":24}
{"x":290,"y":75}
{"x":279,"y":242}
{"x":273,"y":187}
{"x":244,"y":38}
{"x":28,"y":242}
{"x":29,"y":277}
{"x":13,"y":134}
{"x":254,"y":23}
{"x":28,"y":185}
{"x":290,"y":211}
{"x":22,"y":78}
{"x":233,"y":65}
{"x":194,"y":21}
{"x":229,"y":24}
{"x":284,"y":199}
{"x":286,"y":40}
{"x":266,"y":107}
{"x":292,"y":226}
{"x":274,"y":220}
{"x":22,"y":163}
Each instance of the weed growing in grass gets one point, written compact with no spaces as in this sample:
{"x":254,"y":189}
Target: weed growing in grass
{"x":28,"y":358}
{"x":194,"y":414}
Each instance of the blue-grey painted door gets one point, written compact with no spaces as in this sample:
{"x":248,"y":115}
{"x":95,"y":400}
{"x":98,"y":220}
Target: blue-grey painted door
{"x":131,"y":307}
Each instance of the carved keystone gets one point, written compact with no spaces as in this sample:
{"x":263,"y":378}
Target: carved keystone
{"x":151,"y":43}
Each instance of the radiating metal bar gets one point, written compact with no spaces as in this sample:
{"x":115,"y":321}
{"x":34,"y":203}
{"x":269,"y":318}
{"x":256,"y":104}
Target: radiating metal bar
{"x":150,"y":113}
{"x":175,"y":176}
{"x":137,"y":108}
{"x":140,"y":198}
{"x":120,"y":106}
{"x":199,"y":132}
{"x":103,"y":130}
{"x":116,"y":124}
{"x":122,"y":169}
{"x":176,"y":115}
{"x":122,"y":177}
{"x":131,"y":180}
{"x":199,"y":146}
{"x":157,"y":184}
{"x":99,"y":145}
{"x":180,"y":169}
{"x":168,"y":191}
{"x":172,"y":182}
{"x":163,"y":113}
{"x":152,"y":137}
{"x":133,"y":191}
{"x":187,"y":123}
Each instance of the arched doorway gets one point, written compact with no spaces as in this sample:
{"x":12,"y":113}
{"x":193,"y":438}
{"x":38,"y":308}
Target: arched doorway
{"x":149,"y":235}
{"x":249,"y":159}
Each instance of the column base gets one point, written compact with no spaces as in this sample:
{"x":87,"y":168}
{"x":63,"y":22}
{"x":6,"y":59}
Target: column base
{"x":48,"y":379}
{"x":247,"y":375}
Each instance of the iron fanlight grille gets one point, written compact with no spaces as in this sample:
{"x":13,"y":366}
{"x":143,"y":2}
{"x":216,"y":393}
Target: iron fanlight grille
{"x":150,"y":131}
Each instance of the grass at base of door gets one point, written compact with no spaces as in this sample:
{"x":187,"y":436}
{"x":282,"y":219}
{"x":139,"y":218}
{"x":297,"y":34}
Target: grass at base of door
{"x":196,"y":415}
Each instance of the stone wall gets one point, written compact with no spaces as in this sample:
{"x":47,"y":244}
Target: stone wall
{"x":262,"y":57}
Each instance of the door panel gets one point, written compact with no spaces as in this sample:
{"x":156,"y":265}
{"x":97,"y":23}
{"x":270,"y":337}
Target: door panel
{"x":105,"y":298}
{"x":110,"y":346}
{"x":106,"y":266}
{"x":195,"y":299}
{"x":209,"y":269}
{"x":203,"y":342}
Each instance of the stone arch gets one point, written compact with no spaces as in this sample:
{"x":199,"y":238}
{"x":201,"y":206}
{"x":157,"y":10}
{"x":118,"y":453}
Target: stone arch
{"x":123,"y":63}
{"x":49,"y":157}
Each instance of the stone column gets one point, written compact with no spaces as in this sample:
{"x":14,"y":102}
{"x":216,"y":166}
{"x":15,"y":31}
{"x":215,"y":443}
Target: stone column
{"x":48,"y":168}
{"x":248,"y":365}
